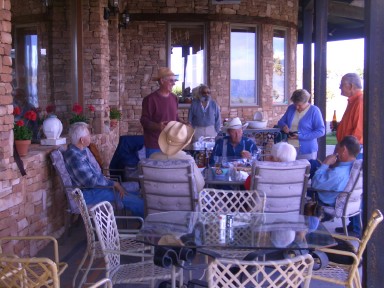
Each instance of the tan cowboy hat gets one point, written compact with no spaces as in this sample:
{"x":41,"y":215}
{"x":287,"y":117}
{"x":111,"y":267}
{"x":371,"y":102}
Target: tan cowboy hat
{"x":174,"y":137}
{"x":235,"y":123}
{"x":163,"y":72}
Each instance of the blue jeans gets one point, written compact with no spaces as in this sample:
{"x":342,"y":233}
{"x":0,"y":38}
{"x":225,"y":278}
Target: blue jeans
{"x":149,"y":151}
{"x":354,"y":221}
{"x":131,"y":202}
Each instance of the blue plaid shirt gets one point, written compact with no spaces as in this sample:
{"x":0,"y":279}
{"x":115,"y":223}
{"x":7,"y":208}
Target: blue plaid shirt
{"x":81,"y":169}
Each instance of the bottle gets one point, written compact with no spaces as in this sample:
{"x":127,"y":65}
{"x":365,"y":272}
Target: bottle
{"x":334,"y":121}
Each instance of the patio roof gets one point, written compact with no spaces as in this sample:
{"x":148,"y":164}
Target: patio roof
{"x":345,"y":19}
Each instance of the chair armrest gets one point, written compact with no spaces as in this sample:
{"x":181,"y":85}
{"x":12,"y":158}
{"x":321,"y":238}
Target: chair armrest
{"x":35,"y":238}
{"x":345,"y":237}
{"x":340,"y":252}
{"x":127,"y":232}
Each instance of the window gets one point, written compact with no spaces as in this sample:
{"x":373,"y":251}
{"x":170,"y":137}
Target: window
{"x":187,"y":57}
{"x":243,"y":66}
{"x":279,"y":63}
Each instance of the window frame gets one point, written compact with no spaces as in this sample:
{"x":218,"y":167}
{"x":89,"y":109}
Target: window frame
{"x":286,"y":65}
{"x":205,"y":38}
{"x":256,"y":29}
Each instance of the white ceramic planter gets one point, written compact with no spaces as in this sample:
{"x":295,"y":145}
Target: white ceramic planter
{"x":52,"y":127}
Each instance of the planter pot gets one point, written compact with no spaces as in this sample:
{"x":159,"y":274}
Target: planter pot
{"x":52,"y":127}
{"x":22,"y":146}
{"x":113,"y":123}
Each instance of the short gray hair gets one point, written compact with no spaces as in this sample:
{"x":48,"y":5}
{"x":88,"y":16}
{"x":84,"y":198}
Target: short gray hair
{"x":283,"y":152}
{"x":202,"y":87}
{"x":300,"y":96}
{"x":352,"y":78}
{"x":78,"y":130}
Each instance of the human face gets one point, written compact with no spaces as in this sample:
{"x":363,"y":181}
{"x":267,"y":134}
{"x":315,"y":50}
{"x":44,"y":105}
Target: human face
{"x":300,"y":107}
{"x":168,"y":82}
{"x":205,"y":94}
{"x":235,"y":135}
{"x":86,"y":140}
{"x":345,"y":88}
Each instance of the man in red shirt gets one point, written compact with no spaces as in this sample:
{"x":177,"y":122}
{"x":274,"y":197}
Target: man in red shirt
{"x":352,"y":124}
{"x":159,"y":108}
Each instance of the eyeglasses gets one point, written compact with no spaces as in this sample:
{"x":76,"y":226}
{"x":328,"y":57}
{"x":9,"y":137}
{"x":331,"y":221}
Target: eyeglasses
{"x":205,"y":92}
{"x":172,"y":80}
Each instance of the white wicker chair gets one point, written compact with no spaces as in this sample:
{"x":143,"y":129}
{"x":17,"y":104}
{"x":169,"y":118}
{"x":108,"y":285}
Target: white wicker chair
{"x":94,"y":251}
{"x":108,"y":235}
{"x":291,"y":273}
{"x":283,"y":183}
{"x":105,"y":282}
{"x":343,"y":274}
{"x":30,"y":271}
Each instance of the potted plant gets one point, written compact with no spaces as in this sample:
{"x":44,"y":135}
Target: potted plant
{"x":21,"y":132}
{"x":114,"y":116}
{"x":78,"y":115}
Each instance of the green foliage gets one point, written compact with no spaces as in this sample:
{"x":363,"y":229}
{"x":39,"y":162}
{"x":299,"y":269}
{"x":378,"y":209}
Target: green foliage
{"x":177,"y":90}
{"x":78,"y":118}
{"x":114,"y":113}
{"x":22,"y":132}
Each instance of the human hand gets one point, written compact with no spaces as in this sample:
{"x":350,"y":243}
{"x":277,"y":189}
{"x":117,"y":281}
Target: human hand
{"x":286,"y":129}
{"x":330,"y":159}
{"x":120,"y":189}
{"x":293,"y":135}
{"x":246,"y":154}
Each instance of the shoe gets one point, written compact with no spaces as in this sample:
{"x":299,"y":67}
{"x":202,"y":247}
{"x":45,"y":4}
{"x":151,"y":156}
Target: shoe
{"x":341,"y":229}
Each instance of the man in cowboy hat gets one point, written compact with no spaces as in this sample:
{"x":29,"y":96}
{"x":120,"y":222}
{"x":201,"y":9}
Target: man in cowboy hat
{"x":159,"y":108}
{"x":174,"y":137}
{"x":234,"y":145}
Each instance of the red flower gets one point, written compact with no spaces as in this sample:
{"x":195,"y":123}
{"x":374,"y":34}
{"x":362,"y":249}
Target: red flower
{"x":20,"y":123}
{"x":30,"y":115}
{"x":50,"y":108}
{"x":91,"y":108}
{"x":16,"y":110}
{"x":77,"y":108}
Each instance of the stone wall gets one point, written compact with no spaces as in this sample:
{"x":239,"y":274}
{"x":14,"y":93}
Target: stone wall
{"x":143,"y":48}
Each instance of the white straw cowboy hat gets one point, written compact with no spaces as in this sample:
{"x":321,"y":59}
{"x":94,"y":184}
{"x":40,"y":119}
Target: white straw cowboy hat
{"x":235,"y":123}
{"x":174,"y":137}
{"x":163,"y":72}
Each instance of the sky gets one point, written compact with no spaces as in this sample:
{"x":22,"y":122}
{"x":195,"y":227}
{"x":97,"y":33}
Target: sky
{"x":342,"y":57}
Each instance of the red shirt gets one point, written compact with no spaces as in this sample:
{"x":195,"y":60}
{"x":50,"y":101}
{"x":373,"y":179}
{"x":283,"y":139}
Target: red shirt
{"x":352,"y":121}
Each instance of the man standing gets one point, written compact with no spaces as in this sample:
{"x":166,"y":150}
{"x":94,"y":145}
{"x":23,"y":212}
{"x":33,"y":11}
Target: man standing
{"x":158,"y":109}
{"x":352,"y":124}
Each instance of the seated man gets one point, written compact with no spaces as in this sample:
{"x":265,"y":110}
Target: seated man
{"x":234,"y":144}
{"x":85,"y":172}
{"x":280,"y":152}
{"x":174,"y":137}
{"x":333,"y":174}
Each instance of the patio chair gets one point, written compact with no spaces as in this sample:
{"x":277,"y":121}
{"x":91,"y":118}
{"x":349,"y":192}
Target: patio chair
{"x":348,"y":202}
{"x":167,"y":185}
{"x":294,"y":272}
{"x":108,"y":235}
{"x":93,"y":250}
{"x":24,"y":271}
{"x":283,"y":183}
{"x":347,"y":274}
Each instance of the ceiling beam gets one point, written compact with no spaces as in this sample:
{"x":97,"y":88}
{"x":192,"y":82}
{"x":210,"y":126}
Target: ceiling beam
{"x":346,"y":11}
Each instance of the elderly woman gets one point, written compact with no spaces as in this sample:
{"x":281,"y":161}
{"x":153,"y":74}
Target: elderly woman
{"x":84,"y":171}
{"x":204,"y":114}
{"x":303,"y":123}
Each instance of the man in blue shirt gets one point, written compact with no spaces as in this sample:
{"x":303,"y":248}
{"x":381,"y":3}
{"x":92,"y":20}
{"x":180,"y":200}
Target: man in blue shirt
{"x":333,"y":174}
{"x":233,"y":145}
{"x":84,"y":171}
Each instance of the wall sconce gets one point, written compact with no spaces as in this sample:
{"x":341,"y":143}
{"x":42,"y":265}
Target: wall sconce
{"x":124,"y":20}
{"x":113,"y":8}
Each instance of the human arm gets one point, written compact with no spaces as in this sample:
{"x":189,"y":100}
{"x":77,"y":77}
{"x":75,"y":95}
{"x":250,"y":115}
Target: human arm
{"x":311,"y":126}
{"x":285,"y":121}
{"x":146,"y":116}
{"x":217,"y":118}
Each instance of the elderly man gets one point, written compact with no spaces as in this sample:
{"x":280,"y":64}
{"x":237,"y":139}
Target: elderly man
{"x":235,"y":144}
{"x":352,"y":124}
{"x":159,"y":108}
{"x":333,"y":174}
{"x":204,"y":114}
{"x":85,"y":172}
{"x":174,"y":137}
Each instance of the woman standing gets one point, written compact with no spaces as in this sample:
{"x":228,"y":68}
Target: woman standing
{"x":204,"y":114}
{"x":303,"y":123}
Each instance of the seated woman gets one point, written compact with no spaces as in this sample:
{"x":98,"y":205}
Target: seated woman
{"x":235,"y":144}
{"x":174,"y":137}
{"x":85,"y":172}
{"x":280,"y":152}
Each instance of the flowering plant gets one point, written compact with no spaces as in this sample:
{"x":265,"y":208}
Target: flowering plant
{"x":42,"y":115}
{"x":78,"y":115}
{"x":114,"y":113}
{"x":21,"y":130}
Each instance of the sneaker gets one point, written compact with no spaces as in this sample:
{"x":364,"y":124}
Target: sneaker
{"x":341,"y":229}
